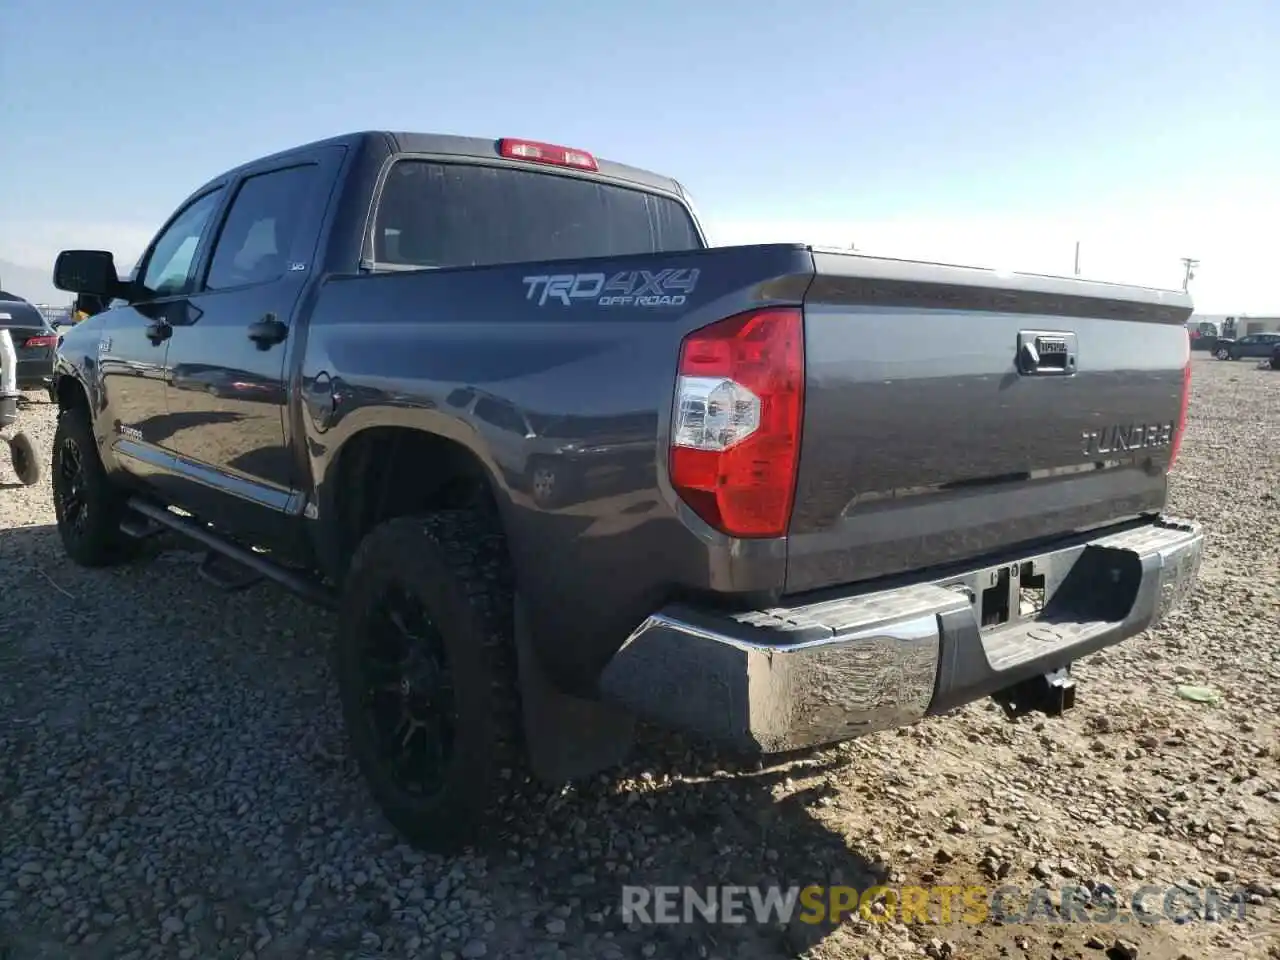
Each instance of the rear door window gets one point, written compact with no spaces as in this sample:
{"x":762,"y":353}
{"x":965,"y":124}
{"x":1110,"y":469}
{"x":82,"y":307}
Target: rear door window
{"x":434,"y":214}
{"x":260,"y":228}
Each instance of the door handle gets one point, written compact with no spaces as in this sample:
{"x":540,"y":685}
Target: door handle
{"x":159,"y":331}
{"x":267,"y":331}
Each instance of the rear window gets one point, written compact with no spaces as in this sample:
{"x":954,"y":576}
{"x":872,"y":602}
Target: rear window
{"x":455,"y":214}
{"x":19,"y":314}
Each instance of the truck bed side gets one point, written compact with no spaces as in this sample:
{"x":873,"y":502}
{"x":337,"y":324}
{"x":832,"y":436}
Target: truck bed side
{"x":474,"y":355}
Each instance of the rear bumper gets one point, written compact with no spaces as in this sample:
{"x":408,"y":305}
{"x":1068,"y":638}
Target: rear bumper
{"x":35,"y":372}
{"x":787,"y":678}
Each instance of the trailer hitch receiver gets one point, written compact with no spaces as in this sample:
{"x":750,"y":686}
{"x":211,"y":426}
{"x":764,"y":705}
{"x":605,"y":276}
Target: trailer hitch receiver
{"x":1052,"y":694}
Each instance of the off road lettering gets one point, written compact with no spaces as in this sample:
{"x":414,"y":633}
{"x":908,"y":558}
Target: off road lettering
{"x":627,"y":288}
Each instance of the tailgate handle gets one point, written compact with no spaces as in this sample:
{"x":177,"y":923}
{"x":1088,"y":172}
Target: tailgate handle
{"x":1046,"y":353}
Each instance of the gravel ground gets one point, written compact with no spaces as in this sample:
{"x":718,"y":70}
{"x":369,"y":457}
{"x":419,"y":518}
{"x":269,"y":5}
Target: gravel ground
{"x":174,"y":782}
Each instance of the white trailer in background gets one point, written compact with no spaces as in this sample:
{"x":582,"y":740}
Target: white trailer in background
{"x":21,"y":453}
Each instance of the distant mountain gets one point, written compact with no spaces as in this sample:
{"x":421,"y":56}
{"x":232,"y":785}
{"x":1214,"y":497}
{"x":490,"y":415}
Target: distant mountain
{"x":31,"y":284}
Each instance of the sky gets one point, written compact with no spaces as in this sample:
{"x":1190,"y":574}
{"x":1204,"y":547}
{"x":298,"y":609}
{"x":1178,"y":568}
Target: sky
{"x":986,"y":132}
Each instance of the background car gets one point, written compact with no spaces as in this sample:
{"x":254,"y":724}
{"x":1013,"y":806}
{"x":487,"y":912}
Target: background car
{"x":1275,"y":357}
{"x":34,"y":339}
{"x":1257,"y":345}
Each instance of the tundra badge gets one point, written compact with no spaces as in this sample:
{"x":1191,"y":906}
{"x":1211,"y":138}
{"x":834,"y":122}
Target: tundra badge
{"x":1125,"y":438}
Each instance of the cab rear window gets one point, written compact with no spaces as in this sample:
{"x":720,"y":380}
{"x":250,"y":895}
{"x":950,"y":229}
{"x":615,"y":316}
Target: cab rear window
{"x":434,"y":214}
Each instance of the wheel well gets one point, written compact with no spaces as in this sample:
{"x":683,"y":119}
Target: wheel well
{"x":388,"y":472}
{"x":71,"y":394}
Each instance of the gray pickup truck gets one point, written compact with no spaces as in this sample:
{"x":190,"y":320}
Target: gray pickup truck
{"x":559,"y":465}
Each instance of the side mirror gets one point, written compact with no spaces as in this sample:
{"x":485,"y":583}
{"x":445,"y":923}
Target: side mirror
{"x":86,"y":271}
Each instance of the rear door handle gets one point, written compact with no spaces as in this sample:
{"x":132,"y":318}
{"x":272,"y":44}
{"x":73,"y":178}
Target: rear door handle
{"x":267,"y":331}
{"x":159,"y":331}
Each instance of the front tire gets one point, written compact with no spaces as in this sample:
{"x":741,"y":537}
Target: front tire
{"x":1223,"y":354}
{"x":425,"y":661}
{"x":87,"y":505}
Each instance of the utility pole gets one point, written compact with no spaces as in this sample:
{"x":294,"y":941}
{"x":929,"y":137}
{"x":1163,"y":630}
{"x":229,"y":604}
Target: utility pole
{"x":1077,"y":258}
{"x":1189,"y":264}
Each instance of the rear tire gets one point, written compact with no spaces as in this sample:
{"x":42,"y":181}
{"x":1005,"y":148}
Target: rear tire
{"x":433,"y":594}
{"x":87,"y":505}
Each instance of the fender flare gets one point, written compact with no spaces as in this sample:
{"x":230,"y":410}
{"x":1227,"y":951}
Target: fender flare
{"x":327,"y":533}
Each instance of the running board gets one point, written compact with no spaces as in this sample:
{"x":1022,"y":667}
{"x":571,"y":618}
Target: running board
{"x":226,"y":574}
{"x":139,"y":527}
{"x":292,"y":581}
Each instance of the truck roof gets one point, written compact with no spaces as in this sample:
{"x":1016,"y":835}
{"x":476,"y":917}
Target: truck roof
{"x":441,"y":144}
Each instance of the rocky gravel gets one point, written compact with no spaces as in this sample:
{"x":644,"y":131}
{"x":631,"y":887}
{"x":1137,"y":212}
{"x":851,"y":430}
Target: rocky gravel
{"x":174,"y":780}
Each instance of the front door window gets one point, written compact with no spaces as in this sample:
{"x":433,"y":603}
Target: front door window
{"x":169,"y":267}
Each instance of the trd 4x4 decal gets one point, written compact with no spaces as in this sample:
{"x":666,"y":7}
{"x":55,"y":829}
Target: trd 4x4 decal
{"x":629,"y":288}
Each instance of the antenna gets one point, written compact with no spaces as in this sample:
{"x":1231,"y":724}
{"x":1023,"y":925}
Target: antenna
{"x":1189,"y":264}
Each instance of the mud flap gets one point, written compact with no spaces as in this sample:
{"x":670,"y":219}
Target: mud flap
{"x":566,"y":737}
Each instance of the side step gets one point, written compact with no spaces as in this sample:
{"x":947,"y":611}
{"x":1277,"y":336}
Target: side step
{"x":139,"y":527}
{"x":225,"y":574}
{"x":292,"y":581}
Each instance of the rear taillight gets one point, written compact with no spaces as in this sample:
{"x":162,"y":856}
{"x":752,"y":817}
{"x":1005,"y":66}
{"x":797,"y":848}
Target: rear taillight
{"x":1182,"y":414}
{"x":51,"y":340}
{"x":735,"y":431}
{"x":537,"y":152}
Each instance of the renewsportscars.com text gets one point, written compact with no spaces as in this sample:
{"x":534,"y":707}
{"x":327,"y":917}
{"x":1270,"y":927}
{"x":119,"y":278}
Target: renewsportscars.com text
{"x":937,"y":904}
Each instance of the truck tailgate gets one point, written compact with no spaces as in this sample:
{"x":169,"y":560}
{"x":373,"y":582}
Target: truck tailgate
{"x":953,"y":412}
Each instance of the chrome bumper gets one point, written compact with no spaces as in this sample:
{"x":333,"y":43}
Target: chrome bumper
{"x":792,"y":677}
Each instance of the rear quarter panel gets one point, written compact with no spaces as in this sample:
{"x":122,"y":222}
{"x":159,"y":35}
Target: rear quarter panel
{"x":418,"y":349}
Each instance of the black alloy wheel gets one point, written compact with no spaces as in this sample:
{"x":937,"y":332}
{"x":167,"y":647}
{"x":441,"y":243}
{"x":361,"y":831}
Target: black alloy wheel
{"x":408,"y":691}
{"x":426,"y":670}
{"x":88,"y":507}
{"x":73,"y":509}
